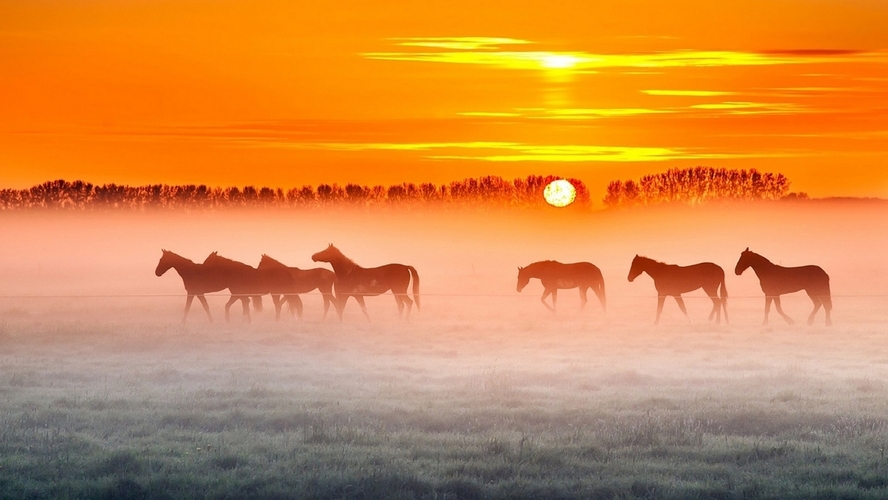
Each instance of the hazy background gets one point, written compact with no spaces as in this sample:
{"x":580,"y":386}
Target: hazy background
{"x":66,"y":265}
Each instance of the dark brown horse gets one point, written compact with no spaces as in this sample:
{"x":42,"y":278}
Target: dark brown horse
{"x":672,"y":280}
{"x":777,"y":280}
{"x":355,"y":281}
{"x":554,"y":275}
{"x":197,"y":278}
{"x":244,"y":282}
{"x":287,"y":282}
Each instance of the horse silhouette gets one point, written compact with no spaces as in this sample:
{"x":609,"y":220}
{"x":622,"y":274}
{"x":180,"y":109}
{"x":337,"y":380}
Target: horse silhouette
{"x":285,"y":283}
{"x":355,"y":281}
{"x":776,"y":280}
{"x":673,"y":280}
{"x":555,"y":275}
{"x":242,"y":280}
{"x":197,"y":278}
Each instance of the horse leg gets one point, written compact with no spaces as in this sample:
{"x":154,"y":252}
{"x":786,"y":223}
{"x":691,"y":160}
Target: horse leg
{"x":276,"y":300}
{"x":203,"y":302}
{"x":341,"y":299}
{"x":768,"y":300}
{"x":716,"y":309}
{"x":188,"y":302}
{"x":554,"y":299}
{"x":583,"y":298}
{"x":400,"y":302}
{"x":661,"y":299}
{"x":295,"y":304}
{"x":246,"y":303}
{"x":328,"y":297}
{"x":408,"y":301}
{"x":780,"y":310}
{"x":681,"y":305}
{"x":231,"y":300}
{"x":817,"y":304}
{"x":546,"y":293}
{"x":827,"y":307}
{"x":360,"y":299}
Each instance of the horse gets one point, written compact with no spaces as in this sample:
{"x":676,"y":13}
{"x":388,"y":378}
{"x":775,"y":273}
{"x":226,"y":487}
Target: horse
{"x":670,"y":279}
{"x":355,"y":281}
{"x":295,"y":281}
{"x":776,"y":280}
{"x":242,"y":280}
{"x":197,"y":278}
{"x":554,"y":275}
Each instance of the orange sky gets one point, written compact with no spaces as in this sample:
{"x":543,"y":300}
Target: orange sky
{"x":283,"y":93}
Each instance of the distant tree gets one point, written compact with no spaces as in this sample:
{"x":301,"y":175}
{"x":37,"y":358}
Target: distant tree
{"x":697,"y":185}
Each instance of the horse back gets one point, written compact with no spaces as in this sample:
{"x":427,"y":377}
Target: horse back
{"x":792,"y":279}
{"x":570,"y":275}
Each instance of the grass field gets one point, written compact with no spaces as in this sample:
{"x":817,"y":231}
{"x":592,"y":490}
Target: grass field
{"x":463,"y":407}
{"x":483,"y":394}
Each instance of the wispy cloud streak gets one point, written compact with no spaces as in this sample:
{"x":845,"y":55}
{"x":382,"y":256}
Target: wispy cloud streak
{"x":487,"y":52}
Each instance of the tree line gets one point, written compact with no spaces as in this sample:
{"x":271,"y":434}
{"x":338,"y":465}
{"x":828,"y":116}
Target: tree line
{"x":691,"y":186}
{"x":698,"y":185}
{"x":487,"y":191}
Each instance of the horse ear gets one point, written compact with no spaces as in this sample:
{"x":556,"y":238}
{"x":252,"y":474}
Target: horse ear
{"x":747,"y":249}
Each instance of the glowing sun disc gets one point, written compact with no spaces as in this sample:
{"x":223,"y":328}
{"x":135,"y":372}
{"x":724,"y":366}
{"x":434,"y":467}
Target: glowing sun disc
{"x":560,"y":193}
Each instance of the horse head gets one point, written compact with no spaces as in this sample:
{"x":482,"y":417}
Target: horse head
{"x":636,"y":268}
{"x":327,"y":255}
{"x":165,"y":262}
{"x":746,"y":258}
{"x":523,"y":278}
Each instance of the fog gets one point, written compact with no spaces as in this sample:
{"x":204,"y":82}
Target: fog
{"x":95,"y":266}
{"x":482,"y":393}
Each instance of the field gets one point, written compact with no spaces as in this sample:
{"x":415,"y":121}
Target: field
{"x":482,"y":394}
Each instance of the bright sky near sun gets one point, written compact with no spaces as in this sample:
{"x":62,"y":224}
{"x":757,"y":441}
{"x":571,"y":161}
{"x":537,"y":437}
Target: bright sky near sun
{"x":282,"y":93}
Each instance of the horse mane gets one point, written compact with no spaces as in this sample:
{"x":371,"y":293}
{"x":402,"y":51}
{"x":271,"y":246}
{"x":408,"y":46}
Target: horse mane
{"x":268,"y":261}
{"x":650,"y":259}
{"x":342,"y":255}
{"x":215,"y":258}
{"x":758,"y":256}
{"x":176,"y":256}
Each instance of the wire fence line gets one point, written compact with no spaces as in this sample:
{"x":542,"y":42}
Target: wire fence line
{"x":492,"y":295}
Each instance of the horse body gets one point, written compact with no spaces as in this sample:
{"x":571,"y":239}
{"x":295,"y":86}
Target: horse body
{"x":672,"y":280}
{"x":776,"y":280}
{"x":285,"y":283}
{"x":242,"y":280}
{"x":355,"y":281}
{"x":197,"y":278}
{"x":556,"y":275}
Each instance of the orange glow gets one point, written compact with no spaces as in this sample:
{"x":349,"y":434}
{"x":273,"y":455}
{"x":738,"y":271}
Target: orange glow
{"x":284,"y":94}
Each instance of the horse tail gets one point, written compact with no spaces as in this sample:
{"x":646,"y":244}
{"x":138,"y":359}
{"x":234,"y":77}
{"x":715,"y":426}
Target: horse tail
{"x":826,"y":298}
{"x":257,"y":302}
{"x":601,"y":295}
{"x":415,"y":285}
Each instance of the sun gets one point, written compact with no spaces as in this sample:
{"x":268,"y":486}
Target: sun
{"x":560,"y":193}
{"x":559,"y":61}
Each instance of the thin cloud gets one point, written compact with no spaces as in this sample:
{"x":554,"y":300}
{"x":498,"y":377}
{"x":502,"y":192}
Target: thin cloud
{"x":488,"y":52}
{"x":688,"y":93}
{"x":520,"y":152}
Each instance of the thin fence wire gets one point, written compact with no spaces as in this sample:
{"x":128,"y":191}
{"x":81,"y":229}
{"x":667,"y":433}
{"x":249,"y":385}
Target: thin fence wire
{"x":423,"y":294}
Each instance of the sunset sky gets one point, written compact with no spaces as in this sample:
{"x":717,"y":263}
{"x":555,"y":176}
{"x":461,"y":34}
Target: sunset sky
{"x":287,"y":93}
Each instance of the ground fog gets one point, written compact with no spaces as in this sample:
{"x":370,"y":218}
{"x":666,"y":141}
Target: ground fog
{"x":481,"y":394}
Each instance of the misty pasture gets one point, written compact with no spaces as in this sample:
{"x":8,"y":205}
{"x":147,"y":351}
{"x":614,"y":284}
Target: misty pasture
{"x":484,"y":393}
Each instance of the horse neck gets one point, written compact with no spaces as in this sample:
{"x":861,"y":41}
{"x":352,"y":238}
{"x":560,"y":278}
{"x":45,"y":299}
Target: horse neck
{"x":535,"y":270}
{"x":758,"y":262}
{"x":343,"y":265}
{"x":652,"y":267}
{"x":184,"y":266}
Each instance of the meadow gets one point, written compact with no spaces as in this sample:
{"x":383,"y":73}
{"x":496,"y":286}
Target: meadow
{"x":482,"y":394}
